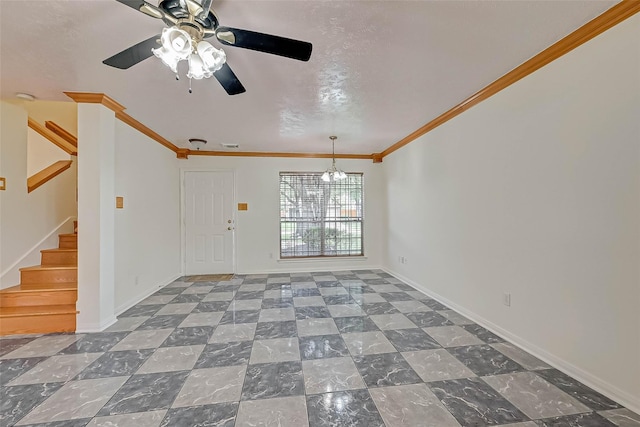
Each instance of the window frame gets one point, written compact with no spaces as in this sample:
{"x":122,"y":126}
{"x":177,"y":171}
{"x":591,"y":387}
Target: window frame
{"x":282,"y":219}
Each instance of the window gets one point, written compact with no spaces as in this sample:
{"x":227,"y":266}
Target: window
{"x":320,"y":218}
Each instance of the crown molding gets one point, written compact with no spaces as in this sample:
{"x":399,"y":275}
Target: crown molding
{"x":611,"y":17}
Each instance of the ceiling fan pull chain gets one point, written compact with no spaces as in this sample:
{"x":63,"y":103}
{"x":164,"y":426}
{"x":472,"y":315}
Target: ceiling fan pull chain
{"x":177,"y":77}
{"x":190,"y":91}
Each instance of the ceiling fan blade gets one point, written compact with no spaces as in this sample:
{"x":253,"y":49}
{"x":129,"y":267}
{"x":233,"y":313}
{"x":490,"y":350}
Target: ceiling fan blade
{"x":144,"y":7}
{"x":275,"y":45}
{"x":228,"y":80}
{"x":136,"y":53}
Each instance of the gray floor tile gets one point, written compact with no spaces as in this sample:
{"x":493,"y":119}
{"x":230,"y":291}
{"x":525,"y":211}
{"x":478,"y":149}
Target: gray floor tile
{"x":411,"y":306}
{"x":211,"y":306}
{"x":275,"y":350}
{"x":355,"y":324}
{"x":43,"y":346}
{"x":245,"y":304}
{"x":219,"y":415}
{"x":115,"y":364}
{"x":311,"y":312}
{"x":322,"y":346}
{"x":162,"y":322}
{"x":279,"y":412}
{"x":428,"y":319}
{"x":202,"y":319}
{"x":383,"y":370}
{"x":520,"y":356}
{"x":316,"y":326}
{"x":242,"y":316}
{"x":181,"y":308}
{"x":147,"y":392}
{"x":452,"y":336}
{"x":580,"y":420}
{"x":211,"y":385}
{"x":16,"y":402}
{"x":137,"y":340}
{"x":379,"y":308}
{"x":56,"y":369}
{"x":308,"y":302}
{"x":363,"y":343}
{"x":482,"y":333}
{"x":142,"y":310}
{"x":7,"y":345}
{"x":534,"y":396}
{"x":127,"y":324}
{"x":411,"y":339}
{"x":76,"y":399}
{"x":225,"y":354}
{"x":269,"y":330}
{"x":345,"y":310}
{"x":168,"y":359}
{"x":189,"y":336}
{"x":473,"y":403}
{"x":353,"y":408}
{"x":622,"y":417}
{"x":270,"y":380}
{"x":13,"y":368}
{"x":485,"y":360}
{"x":411,"y":405}
{"x":218,"y":296}
{"x":579,"y":391}
{"x":139,"y":419}
{"x":233,"y":332}
{"x":455,"y":317}
{"x":392,"y":321}
{"x":329,"y":375}
{"x":277,"y":314}
{"x":436,"y":365}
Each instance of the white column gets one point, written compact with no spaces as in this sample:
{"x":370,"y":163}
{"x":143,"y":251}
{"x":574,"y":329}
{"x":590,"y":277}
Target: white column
{"x":96,"y":206}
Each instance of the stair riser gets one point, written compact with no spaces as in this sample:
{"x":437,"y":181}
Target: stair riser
{"x":59,"y":258}
{"x":38,"y":324}
{"x":68,"y":242}
{"x":49,"y":276}
{"x":23,"y":299}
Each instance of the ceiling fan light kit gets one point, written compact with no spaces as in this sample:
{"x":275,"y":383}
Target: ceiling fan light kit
{"x":189,"y":23}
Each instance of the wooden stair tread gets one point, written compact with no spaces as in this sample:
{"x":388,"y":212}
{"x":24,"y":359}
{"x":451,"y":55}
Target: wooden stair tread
{"x":41,"y":310}
{"x":49,"y":267}
{"x":60,"y":250}
{"x":68,"y":235}
{"x":38,"y":287}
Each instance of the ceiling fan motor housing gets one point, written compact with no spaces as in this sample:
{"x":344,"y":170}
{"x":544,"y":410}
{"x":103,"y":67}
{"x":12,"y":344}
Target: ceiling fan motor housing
{"x":178,"y":11}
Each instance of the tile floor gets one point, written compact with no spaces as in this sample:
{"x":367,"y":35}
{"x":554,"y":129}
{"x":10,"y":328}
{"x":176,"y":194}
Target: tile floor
{"x":348,"y":348}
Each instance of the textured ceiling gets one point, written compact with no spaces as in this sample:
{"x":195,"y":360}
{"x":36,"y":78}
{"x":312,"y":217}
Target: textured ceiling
{"x":379,"y":69}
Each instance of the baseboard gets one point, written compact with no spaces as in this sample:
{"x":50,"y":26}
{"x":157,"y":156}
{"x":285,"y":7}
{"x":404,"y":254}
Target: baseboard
{"x":614,"y":393}
{"x":95,"y":327}
{"x":135,"y":300}
{"x":12,"y":273}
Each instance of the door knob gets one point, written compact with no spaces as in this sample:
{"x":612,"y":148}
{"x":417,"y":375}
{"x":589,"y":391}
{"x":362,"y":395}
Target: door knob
{"x":228,"y":228}
{"x":229,"y":222}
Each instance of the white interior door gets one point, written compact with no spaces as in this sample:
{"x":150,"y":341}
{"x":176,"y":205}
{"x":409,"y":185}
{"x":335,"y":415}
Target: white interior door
{"x":209,"y":222}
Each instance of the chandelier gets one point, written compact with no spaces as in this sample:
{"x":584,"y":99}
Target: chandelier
{"x":333,"y":173}
{"x":177,"y":45}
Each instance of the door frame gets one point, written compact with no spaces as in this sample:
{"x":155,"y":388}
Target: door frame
{"x":183,"y":219}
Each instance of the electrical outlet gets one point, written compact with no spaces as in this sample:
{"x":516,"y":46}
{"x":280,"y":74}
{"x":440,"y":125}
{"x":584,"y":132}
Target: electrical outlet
{"x":506,"y":299}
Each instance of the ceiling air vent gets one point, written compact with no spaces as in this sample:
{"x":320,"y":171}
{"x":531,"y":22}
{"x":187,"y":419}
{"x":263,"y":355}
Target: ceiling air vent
{"x":230,"y":145}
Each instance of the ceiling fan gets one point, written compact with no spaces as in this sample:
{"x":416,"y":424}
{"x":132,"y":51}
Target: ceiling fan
{"x":189,"y":23}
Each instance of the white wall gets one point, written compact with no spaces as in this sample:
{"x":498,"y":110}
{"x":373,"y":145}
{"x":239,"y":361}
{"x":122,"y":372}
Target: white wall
{"x":258,"y":228}
{"x":28,"y":221}
{"x":147,"y":230}
{"x":42,"y":153}
{"x":536,"y":192}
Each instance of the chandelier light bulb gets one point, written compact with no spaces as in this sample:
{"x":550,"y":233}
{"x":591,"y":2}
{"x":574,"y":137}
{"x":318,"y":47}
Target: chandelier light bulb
{"x":212,"y":58}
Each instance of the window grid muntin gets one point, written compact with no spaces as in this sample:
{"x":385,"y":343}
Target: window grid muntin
{"x":303,"y":199}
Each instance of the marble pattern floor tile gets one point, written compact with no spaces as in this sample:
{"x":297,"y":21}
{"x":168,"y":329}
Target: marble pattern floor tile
{"x":590,"y":419}
{"x":473,"y":403}
{"x":17,"y":401}
{"x":218,"y":415}
{"x":534,"y":396}
{"x":56,"y":369}
{"x":383,"y":370}
{"x":316,"y":326}
{"x":324,"y":348}
{"x":579,"y":391}
{"x":622,"y":417}
{"x":13,"y":368}
{"x":146,"y":392}
{"x":43,"y":346}
{"x":115,"y":364}
{"x":278,"y":412}
{"x":436,"y":365}
{"x":233,"y":332}
{"x":364,"y":343}
{"x":411,"y":339}
{"x":224,"y":354}
{"x":138,"y":340}
{"x":521,"y":357}
{"x":211,"y":385}
{"x":485,"y":360}
{"x":452,"y":336}
{"x":275,"y":350}
{"x":270,"y":380}
{"x":166,"y":359}
{"x":353,"y":408}
{"x":411,"y":405}
{"x":201,"y":319}
{"x":329,"y":375}
{"x":76,"y":399}
{"x":139,"y":419}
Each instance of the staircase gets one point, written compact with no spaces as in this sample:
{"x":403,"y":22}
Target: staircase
{"x":45,"y":299}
